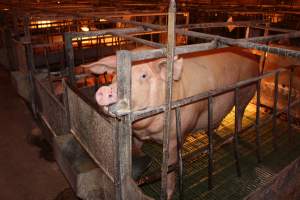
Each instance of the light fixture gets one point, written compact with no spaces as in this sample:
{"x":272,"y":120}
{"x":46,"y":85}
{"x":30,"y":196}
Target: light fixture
{"x":85,"y":28}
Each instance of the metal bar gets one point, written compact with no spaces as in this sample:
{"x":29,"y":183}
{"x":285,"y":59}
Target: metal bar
{"x":168,"y":97}
{"x":237,"y":117}
{"x":124,"y":125}
{"x":294,"y":34}
{"x":30,"y":65}
{"x":69,"y":53}
{"x":157,"y":53}
{"x":189,"y":100}
{"x":179,"y":152}
{"x":274,"y":134}
{"x":262,"y":59}
{"x":139,"y":40}
{"x":266,"y":48}
{"x":220,"y":24}
{"x":257,"y":122}
{"x":210,"y":142}
{"x":291,"y":74}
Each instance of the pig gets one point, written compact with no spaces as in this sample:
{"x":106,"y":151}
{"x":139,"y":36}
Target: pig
{"x":194,"y":73}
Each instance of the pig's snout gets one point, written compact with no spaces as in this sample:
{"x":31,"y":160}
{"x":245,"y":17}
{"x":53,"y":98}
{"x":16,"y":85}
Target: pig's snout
{"x":106,"y":95}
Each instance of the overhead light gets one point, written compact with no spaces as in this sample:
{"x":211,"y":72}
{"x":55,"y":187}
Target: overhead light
{"x":58,"y":2}
{"x":102,"y":20}
{"x":85,"y":28}
{"x":6,"y":9}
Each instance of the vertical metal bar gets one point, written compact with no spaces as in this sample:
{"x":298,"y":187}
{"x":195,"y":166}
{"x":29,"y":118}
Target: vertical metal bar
{"x":69,"y":53}
{"x":274,"y":121}
{"x":49,"y":70}
{"x":168,"y":89}
{"x":264,"y":54}
{"x":289,"y":104}
{"x":210,"y":142}
{"x":125,"y":131}
{"x":30,"y":64}
{"x":236,"y":131}
{"x":257,"y":122}
{"x":179,"y":152}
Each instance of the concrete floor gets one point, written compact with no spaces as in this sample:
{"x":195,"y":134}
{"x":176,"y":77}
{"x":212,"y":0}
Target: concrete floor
{"x":24,"y":175}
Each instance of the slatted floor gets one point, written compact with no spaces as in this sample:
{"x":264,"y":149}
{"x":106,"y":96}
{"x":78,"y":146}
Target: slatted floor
{"x":226,"y":183}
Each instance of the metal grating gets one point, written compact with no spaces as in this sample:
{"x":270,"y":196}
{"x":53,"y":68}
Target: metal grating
{"x":226,"y":183}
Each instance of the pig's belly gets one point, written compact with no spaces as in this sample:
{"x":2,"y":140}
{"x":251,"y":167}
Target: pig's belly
{"x":221,"y":107}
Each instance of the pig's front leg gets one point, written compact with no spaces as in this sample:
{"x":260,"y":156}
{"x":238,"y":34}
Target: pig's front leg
{"x":171,"y":161}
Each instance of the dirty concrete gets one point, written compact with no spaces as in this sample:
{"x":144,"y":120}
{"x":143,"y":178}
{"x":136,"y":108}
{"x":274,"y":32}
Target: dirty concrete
{"x":24,"y":174}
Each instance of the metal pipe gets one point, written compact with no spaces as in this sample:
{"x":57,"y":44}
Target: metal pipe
{"x":210,"y":142}
{"x":237,"y":118}
{"x":69,"y":53}
{"x":124,"y":138}
{"x":168,"y":98}
{"x":179,"y":153}
{"x":257,"y":122}
{"x":274,"y":134}
{"x":291,"y":74}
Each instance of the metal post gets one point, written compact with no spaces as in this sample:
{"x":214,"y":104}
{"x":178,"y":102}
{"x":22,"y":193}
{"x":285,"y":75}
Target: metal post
{"x":262,"y":59}
{"x":179,"y":152}
{"x":168,"y":88}
{"x":275,"y":111}
{"x":257,"y":122}
{"x":124,"y":138}
{"x":289,"y":104}
{"x":210,"y":142}
{"x":30,"y":64}
{"x":236,"y":131}
{"x":69,"y":53}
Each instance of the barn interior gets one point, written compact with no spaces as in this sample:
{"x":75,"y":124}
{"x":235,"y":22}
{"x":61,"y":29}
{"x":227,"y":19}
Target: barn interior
{"x":85,"y":151}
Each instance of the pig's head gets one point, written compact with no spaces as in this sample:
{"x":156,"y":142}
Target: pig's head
{"x":148,"y":82}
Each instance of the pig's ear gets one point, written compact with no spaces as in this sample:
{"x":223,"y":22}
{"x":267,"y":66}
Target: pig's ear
{"x":177,"y":70}
{"x":107,"y":64}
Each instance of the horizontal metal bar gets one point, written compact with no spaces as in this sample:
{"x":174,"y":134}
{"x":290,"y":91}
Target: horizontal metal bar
{"x":105,"y":31}
{"x":182,"y":102}
{"x":157,"y":53}
{"x":220,"y":24}
{"x":270,"y":49}
{"x":139,"y":40}
{"x":294,"y":34}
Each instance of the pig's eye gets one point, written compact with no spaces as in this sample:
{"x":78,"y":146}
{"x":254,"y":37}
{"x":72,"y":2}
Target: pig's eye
{"x":144,"y":76}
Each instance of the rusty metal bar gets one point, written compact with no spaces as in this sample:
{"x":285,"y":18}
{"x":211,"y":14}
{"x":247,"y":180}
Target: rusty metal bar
{"x":262,"y":59}
{"x":274,"y":121}
{"x":179,"y":152}
{"x":30,"y":65}
{"x":124,"y":136}
{"x":210,"y":142}
{"x":69,"y":53}
{"x":266,"y":48}
{"x":257,"y":122}
{"x":157,"y":53}
{"x":237,"y":117}
{"x":168,"y":98}
{"x":294,"y":34}
{"x":291,"y":74}
{"x":139,"y":40}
